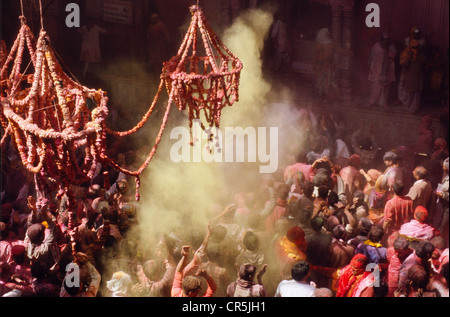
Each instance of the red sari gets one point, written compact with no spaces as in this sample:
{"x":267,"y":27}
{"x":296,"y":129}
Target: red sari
{"x":352,"y":276}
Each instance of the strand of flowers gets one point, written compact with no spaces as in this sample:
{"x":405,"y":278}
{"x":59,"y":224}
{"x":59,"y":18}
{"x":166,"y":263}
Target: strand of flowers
{"x":95,"y":142}
{"x":3,"y":53}
{"x":95,"y":159}
{"x":5,"y":135}
{"x":31,"y":110}
{"x":144,"y":119}
{"x":149,"y":158}
{"x":70,"y":173}
{"x":45,"y":80}
{"x":31,"y":148}
{"x":10,"y":58}
{"x":18,"y":139}
{"x":218,"y":44}
{"x":80,"y":106}
{"x":71,"y":214}
{"x":191,"y":29}
{"x":23,"y":32}
{"x":58,"y":157}
{"x":50,"y":161}
{"x":37,"y":76}
{"x":67,"y":120}
{"x":44,"y":134}
{"x":41,"y":152}
{"x":237,"y":65}
{"x":25,"y":36}
{"x":37,"y":116}
{"x":194,"y":58}
{"x":3,"y":120}
{"x":209,"y":53}
{"x":190,"y":38}
{"x":31,"y":44}
{"x":14,"y":76}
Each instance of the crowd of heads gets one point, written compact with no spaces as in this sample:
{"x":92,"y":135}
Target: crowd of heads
{"x":306,"y":224}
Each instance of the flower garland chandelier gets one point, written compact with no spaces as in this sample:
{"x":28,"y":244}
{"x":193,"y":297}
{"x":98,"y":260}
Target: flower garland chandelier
{"x":49,"y":118}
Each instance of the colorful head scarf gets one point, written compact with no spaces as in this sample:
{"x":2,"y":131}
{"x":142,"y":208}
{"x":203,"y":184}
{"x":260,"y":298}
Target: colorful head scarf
{"x":359,"y":262}
{"x":352,"y":275}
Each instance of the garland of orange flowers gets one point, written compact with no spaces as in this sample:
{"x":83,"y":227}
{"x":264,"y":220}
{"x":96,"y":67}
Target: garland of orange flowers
{"x":203,"y":84}
{"x":206,"y":92}
{"x":49,"y":120}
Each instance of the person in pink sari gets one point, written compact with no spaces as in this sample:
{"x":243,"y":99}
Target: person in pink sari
{"x":417,"y":229}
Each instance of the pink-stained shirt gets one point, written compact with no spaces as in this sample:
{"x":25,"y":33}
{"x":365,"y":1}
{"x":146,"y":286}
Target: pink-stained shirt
{"x":5,"y":251}
{"x":417,"y":230}
{"x":443,"y":259}
{"x":352,"y":179}
{"x":398,"y":211}
{"x":292,"y":170}
{"x":392,"y":277}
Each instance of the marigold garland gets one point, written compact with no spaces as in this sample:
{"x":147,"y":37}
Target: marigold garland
{"x":47,"y":117}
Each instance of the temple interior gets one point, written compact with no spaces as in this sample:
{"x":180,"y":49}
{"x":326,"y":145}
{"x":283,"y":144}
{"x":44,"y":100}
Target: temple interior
{"x":312,"y":74}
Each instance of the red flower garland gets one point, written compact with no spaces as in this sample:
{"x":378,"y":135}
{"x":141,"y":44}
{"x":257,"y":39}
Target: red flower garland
{"x":49,"y":120}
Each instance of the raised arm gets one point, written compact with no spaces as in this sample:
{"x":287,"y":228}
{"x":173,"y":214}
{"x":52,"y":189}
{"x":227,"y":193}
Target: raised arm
{"x":184,"y":259}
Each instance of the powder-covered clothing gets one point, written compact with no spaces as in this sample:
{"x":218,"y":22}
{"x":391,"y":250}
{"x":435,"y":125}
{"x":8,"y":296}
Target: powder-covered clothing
{"x":398,"y":211}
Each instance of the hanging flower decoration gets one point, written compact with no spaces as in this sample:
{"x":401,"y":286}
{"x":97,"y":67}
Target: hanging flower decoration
{"x":50,"y":121}
{"x":202,"y":84}
{"x":48,"y":118}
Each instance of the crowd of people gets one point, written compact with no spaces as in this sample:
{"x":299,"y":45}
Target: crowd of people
{"x":332,"y":224}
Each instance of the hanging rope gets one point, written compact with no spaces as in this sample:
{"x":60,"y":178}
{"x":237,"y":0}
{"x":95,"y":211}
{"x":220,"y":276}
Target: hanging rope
{"x":41,"y":14}
{"x":22,"y":17}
